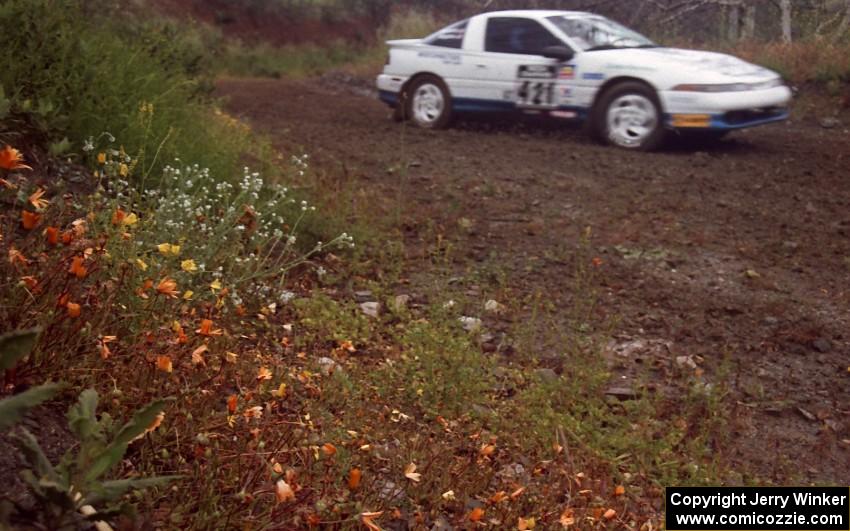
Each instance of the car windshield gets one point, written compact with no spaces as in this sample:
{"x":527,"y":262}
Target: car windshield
{"x":599,"y":33}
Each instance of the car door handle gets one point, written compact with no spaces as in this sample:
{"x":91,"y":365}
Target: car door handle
{"x":480,"y":66}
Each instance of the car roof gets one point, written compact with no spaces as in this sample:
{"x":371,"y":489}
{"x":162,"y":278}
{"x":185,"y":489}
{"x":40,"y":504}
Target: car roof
{"x":535,"y":13}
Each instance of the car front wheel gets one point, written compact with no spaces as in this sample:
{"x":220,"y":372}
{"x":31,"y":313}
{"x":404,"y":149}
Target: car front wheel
{"x":428,"y":103}
{"x":629,"y":116}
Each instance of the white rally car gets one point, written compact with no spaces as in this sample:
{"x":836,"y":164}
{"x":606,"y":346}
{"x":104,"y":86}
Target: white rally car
{"x":575,"y":65}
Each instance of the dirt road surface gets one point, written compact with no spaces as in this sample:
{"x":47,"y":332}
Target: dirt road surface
{"x":729,"y":261}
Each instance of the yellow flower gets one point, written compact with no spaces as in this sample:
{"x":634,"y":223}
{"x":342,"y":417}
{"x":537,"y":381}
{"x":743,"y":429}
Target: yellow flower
{"x":130,"y":220}
{"x":231,"y":357}
{"x":168,"y":249}
{"x":188,"y":294}
{"x":101,"y":158}
{"x":216,"y":285}
{"x":124,"y":170}
{"x":188,"y":266}
{"x":264,"y":374}
{"x":141,"y":264}
{"x":281,"y":391}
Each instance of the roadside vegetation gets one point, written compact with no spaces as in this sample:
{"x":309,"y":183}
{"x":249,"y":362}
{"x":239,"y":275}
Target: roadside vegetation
{"x":167,"y":265}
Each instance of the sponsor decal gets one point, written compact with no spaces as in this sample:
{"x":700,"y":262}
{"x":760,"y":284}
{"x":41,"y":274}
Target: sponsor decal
{"x":445,"y":57}
{"x":567,"y":72}
{"x":691,"y":120}
{"x":593,"y":76}
{"x":537,"y":72}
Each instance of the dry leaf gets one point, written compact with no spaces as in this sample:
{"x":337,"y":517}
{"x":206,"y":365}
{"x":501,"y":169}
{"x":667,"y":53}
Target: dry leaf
{"x":411,"y":473}
{"x":498,"y":497}
{"x":487,"y":450}
{"x":366,"y":518}
{"x":198,"y":355}
{"x":283,"y":491}
{"x":568,"y":517}
{"x":524,"y":524}
{"x":517,"y":493}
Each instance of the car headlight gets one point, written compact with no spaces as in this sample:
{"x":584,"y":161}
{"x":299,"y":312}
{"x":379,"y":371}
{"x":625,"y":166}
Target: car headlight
{"x":729,"y":87}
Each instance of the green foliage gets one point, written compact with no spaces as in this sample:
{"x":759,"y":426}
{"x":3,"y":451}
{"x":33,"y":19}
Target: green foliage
{"x":62,"y":492}
{"x":12,"y":409}
{"x":15,"y":345}
{"x":441,"y":369}
{"x":78,"y":72}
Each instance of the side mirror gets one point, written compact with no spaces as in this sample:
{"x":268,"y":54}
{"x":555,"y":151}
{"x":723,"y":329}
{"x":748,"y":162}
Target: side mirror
{"x":561,"y":53}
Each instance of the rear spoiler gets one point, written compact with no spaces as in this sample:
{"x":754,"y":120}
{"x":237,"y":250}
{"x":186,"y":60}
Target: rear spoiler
{"x":404,"y":43}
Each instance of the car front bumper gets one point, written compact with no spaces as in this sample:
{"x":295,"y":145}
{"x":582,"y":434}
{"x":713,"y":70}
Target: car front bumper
{"x":725,"y":110}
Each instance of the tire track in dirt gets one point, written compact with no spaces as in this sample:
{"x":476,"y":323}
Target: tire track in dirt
{"x":740,"y":250}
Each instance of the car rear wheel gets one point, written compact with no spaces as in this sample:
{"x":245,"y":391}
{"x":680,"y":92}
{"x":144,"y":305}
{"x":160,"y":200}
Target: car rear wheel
{"x":428,"y":103}
{"x":628,"y":116}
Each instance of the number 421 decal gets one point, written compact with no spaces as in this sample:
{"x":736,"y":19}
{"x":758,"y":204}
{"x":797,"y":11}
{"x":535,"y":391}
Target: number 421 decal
{"x":536,"y":86}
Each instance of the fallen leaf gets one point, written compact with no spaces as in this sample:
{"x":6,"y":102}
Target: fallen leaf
{"x":487,"y":450}
{"x":568,"y":518}
{"x":283,"y":491}
{"x":198,"y":355}
{"x":411,"y":473}
{"x":498,"y":497}
{"x":366,"y":518}
{"x":523,"y":524}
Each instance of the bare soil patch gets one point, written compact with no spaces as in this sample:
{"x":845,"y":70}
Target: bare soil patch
{"x":730,"y":260}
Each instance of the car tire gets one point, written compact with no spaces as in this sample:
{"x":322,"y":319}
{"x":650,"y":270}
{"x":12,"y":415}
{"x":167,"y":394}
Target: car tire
{"x":628,"y":115}
{"x":427,"y":102}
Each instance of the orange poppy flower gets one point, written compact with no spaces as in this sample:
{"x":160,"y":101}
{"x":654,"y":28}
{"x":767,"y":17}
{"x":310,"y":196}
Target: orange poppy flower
{"x":36,"y":200}
{"x":52,"y":235}
{"x":476,"y":514}
{"x":29,"y":219}
{"x":10,"y":159}
{"x":77,"y":268}
{"x":206,"y":329}
{"x":163,"y":363}
{"x":168,"y":287}
{"x":354,"y":478}
{"x":73,"y":309}
{"x":232,"y":401}
{"x":30,"y":282}
{"x":67,"y":237}
{"x":118,"y":216}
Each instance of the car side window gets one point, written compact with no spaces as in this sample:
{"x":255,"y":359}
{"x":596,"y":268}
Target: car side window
{"x":518,"y":35}
{"x":450,"y":37}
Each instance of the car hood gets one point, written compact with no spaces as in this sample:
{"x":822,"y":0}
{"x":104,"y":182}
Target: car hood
{"x":680,"y":65}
